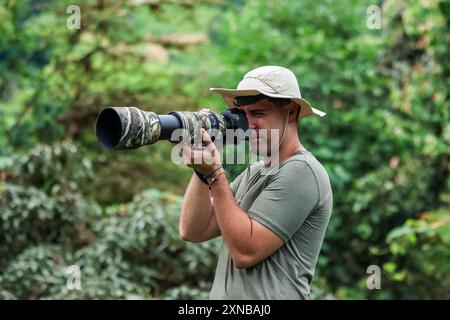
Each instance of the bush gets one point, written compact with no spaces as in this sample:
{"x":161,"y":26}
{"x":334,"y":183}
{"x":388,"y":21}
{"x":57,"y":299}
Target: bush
{"x":40,"y":202}
{"x":131,"y":250}
{"x":419,"y":257}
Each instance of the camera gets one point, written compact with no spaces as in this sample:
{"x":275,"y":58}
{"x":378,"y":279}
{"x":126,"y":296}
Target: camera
{"x":122,"y":128}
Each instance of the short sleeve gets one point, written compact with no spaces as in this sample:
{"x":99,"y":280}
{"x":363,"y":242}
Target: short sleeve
{"x":287,"y":200}
{"x":235,"y":184}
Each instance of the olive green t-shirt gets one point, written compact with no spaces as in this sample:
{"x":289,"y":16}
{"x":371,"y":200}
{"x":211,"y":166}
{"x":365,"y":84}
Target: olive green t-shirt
{"x":294,"y":200}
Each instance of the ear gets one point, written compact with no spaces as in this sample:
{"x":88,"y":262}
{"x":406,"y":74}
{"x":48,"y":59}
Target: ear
{"x":294,"y":112}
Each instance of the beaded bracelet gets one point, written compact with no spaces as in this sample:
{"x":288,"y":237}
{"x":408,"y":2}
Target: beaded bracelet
{"x":212,"y":172}
{"x":204,"y":178}
{"x":215,"y":178}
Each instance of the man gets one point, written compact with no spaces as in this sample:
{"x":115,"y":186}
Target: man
{"x":272,"y":225}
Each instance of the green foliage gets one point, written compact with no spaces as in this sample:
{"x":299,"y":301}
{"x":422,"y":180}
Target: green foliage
{"x":124,"y":251}
{"x":384,"y":141}
{"x":419,"y":256}
{"x":40,"y":202}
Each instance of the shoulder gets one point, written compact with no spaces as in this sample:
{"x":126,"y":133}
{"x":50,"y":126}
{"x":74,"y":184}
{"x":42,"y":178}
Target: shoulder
{"x":293,"y":171}
{"x":306,"y":162}
{"x":302,"y":169}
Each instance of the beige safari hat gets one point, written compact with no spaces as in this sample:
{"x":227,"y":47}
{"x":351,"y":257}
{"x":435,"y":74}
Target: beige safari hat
{"x":272,"y":81}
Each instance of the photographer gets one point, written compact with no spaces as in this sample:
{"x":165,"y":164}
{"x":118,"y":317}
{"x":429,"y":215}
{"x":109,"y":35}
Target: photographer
{"x":272,"y":225}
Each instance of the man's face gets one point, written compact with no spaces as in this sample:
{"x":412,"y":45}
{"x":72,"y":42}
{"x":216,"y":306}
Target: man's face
{"x":266,"y":121}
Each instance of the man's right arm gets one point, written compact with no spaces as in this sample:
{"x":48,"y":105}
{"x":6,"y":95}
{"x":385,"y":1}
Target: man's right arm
{"x":198,"y":222}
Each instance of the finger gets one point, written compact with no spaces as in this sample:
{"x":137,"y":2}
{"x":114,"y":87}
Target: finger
{"x":187,"y":155}
{"x":198,"y":157}
{"x":205,"y":110}
{"x":206,"y":138}
{"x":194,"y":156}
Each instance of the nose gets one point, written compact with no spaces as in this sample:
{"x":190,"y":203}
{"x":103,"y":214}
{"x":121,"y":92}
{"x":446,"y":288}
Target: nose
{"x":252,"y":127}
{"x":251,"y":122}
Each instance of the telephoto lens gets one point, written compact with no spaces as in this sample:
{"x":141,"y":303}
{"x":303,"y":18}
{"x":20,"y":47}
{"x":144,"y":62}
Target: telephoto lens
{"x":122,"y":128}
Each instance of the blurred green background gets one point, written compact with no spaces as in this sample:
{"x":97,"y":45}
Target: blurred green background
{"x":384,"y":142}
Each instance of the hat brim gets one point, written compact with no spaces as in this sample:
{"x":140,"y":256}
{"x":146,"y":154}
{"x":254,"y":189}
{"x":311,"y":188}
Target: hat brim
{"x":229,"y":95}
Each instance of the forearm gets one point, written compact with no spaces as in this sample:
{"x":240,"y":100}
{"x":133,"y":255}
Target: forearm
{"x":197,"y":210}
{"x":234,"y":223}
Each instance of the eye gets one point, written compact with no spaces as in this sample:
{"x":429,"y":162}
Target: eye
{"x":258,"y":113}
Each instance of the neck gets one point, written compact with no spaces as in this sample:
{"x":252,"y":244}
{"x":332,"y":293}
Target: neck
{"x":289,"y":146}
